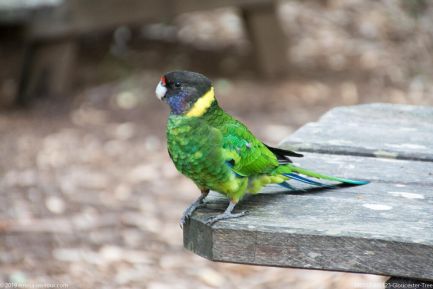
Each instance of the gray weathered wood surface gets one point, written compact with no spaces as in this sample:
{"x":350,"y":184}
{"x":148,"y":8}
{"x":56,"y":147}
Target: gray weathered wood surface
{"x":394,"y":131}
{"x":385,"y":227}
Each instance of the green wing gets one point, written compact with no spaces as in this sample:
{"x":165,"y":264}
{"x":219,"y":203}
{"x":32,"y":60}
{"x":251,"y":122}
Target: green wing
{"x":248,"y":155}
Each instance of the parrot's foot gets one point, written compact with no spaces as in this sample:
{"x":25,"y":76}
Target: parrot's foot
{"x":224,"y":216}
{"x":188,"y":212}
{"x":194,"y":206}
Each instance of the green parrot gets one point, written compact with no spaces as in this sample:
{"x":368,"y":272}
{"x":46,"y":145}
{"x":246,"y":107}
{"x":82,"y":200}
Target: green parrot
{"x":218,"y":152}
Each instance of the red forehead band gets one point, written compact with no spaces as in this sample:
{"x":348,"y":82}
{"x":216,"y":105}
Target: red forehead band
{"x":163,"y":80}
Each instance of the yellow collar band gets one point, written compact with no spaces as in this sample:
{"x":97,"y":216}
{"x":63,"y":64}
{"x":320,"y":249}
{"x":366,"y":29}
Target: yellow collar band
{"x":202,"y":104}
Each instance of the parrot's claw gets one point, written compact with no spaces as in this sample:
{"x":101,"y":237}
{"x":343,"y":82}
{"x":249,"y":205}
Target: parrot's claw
{"x":224,"y":216}
{"x":188,"y":212}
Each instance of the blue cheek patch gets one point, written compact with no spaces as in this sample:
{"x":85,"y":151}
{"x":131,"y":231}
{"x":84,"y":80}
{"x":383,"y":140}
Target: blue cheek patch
{"x":178,"y":102}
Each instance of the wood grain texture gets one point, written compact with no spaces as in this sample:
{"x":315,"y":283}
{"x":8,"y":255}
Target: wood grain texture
{"x":375,"y":130}
{"x":385,"y":227}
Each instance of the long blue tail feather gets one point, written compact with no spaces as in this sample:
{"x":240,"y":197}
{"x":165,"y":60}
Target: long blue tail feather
{"x":302,"y":179}
{"x":287,"y":186}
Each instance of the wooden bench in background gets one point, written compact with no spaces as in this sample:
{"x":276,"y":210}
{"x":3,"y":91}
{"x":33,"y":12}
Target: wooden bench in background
{"x":52,"y":27}
{"x":384,"y":228}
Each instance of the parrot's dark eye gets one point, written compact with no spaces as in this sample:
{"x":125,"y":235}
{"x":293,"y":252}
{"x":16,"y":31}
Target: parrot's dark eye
{"x":177,"y":84}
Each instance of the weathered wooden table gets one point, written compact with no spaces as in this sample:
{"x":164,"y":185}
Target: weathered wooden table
{"x":385,"y":227}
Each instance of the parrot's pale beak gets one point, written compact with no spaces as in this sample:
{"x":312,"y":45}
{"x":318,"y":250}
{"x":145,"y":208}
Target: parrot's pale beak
{"x":161,"y":89}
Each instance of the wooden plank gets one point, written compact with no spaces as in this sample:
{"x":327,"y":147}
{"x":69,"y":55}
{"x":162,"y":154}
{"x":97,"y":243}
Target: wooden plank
{"x":382,"y":113}
{"x":374,"y":169}
{"x":376,"y":130}
{"x":381,"y":228}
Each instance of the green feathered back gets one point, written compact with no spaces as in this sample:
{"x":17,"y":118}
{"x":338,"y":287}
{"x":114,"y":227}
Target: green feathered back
{"x":251,"y":155}
{"x":219,"y":153}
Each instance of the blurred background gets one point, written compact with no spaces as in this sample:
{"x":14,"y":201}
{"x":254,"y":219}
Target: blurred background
{"x":88,"y":195}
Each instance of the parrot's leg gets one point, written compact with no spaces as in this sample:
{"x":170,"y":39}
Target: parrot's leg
{"x":226,"y":215}
{"x":197,"y":204}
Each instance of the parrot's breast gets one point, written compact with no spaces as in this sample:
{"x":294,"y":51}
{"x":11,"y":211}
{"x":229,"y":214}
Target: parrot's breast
{"x":196,"y":151}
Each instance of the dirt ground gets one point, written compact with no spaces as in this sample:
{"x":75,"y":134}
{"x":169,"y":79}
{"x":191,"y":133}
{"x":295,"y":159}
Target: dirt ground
{"x":89,"y":196}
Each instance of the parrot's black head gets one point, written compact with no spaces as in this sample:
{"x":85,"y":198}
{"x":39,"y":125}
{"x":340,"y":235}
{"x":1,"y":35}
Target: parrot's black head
{"x":187,"y":93}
